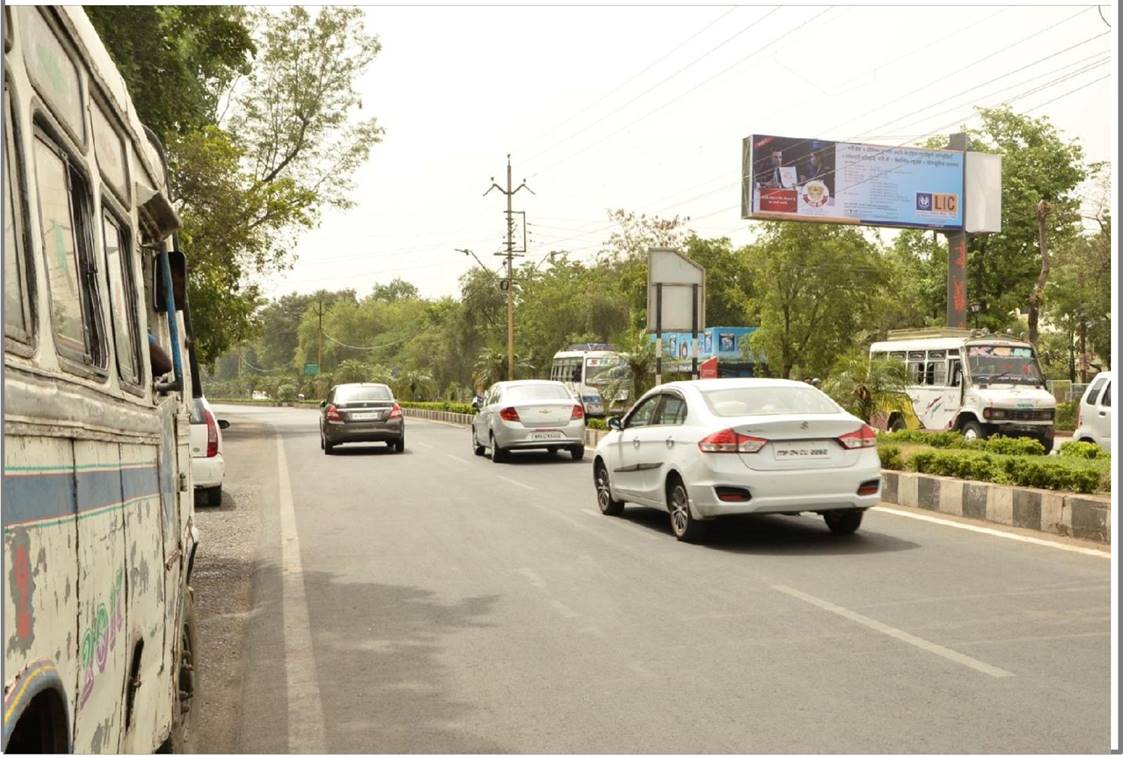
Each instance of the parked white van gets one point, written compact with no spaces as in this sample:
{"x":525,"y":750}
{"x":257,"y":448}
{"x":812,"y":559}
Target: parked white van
{"x":971,"y":381}
{"x":1093,"y":414}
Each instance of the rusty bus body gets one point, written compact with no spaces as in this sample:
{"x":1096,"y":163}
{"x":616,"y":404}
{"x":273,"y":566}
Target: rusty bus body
{"x":97,"y":497}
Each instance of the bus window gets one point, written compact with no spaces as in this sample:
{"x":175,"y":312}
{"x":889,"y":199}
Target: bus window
{"x":916,"y":366}
{"x":122,"y":297}
{"x":54,"y":73}
{"x":937,"y":373}
{"x":63,"y":199}
{"x":17,"y":311}
{"x":110,"y":150}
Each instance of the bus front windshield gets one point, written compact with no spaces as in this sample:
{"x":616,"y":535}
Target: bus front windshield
{"x":605,"y":370}
{"x":1003,"y":364}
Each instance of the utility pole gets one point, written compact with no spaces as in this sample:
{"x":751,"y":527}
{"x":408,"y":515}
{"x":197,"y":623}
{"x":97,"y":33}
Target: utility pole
{"x":957,"y":261}
{"x":510,"y":256}
{"x":319,"y":336}
{"x":1038,"y":294}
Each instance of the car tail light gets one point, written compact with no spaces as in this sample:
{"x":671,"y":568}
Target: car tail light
{"x":395,"y":411}
{"x":212,"y":434}
{"x":731,"y":441}
{"x":578,"y":413}
{"x":733,"y":494}
{"x":509,"y":414}
{"x":863,"y":436}
{"x":870,"y":487}
{"x":333,"y":414}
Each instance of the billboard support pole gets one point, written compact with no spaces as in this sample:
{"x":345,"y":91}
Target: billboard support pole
{"x":694,"y":332}
{"x":957,"y":260}
{"x":658,"y":334}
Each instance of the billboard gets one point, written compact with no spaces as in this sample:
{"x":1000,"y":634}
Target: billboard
{"x":850,"y":183}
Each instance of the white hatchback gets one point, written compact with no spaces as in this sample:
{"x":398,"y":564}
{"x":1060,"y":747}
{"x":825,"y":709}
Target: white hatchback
{"x":207,"y":465}
{"x":1093,"y":413}
{"x":718,"y":447}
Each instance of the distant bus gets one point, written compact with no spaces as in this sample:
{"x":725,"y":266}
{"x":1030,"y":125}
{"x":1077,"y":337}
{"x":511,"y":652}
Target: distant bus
{"x":597,"y":373}
{"x":969,"y":381}
{"x":99,"y":535}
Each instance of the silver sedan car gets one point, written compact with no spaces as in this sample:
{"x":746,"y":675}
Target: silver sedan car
{"x":528,"y":414}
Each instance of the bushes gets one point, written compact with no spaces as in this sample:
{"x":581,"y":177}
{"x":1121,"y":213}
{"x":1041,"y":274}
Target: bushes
{"x":890,"y":457}
{"x":596,"y":423}
{"x":439,"y":406}
{"x":955,"y":441}
{"x":1027,"y":471}
{"x":1065,"y":419}
{"x":1088,"y":451}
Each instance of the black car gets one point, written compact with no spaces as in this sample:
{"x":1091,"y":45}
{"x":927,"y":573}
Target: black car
{"x":361,"y":413}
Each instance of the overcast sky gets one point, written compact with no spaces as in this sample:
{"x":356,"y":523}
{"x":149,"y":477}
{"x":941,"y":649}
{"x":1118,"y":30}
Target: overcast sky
{"x":644,"y":108}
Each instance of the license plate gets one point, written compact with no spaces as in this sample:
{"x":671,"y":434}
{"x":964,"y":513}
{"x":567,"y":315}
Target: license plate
{"x":366,"y":416}
{"x":794,"y":451}
{"x":545,"y":436}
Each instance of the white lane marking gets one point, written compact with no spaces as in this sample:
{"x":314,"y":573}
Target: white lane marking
{"x":564,"y":609}
{"x":532,"y":576}
{"x":458,"y":459}
{"x":302,"y":689}
{"x":996,"y":533}
{"x":903,"y":636}
{"x":514,"y":482}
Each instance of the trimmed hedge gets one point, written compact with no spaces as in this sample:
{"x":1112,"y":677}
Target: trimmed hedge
{"x":1088,"y":451}
{"x":956,"y":441}
{"x":890,"y":456}
{"x":439,"y":406}
{"x":1071,"y":475}
{"x":1065,"y":420}
{"x":596,"y":423}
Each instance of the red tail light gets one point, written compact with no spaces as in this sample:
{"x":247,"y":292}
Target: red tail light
{"x":212,"y":434}
{"x":730,"y":441}
{"x":864,"y":436}
{"x":578,"y":413}
{"x":869,"y":488}
{"x":396,"y":411}
{"x":333,"y":414}
{"x":509,"y":414}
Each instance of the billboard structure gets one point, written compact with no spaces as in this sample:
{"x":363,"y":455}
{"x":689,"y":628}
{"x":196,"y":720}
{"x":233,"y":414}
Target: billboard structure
{"x":676,"y":300}
{"x":787,"y":178}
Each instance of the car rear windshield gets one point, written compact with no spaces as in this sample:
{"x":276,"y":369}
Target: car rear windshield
{"x":358,"y":394}
{"x":529,"y":392}
{"x":768,"y":401}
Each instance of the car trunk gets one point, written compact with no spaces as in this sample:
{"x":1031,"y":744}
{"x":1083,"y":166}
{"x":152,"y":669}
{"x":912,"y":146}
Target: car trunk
{"x":803,"y":442}
{"x":536,"y":414}
{"x":365,"y":410}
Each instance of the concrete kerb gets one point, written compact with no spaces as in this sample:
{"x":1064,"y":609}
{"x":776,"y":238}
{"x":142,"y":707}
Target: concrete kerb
{"x":1071,"y":515}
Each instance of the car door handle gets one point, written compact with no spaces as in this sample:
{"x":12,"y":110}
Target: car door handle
{"x":1103,"y":413}
{"x":670,"y":442}
{"x":635,"y":442}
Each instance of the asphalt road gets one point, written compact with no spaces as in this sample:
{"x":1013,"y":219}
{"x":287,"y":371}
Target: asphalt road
{"x":435,"y":602}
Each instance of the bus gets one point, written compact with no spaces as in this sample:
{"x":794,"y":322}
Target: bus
{"x":596,"y":373}
{"x":969,"y":381}
{"x":99,"y":534}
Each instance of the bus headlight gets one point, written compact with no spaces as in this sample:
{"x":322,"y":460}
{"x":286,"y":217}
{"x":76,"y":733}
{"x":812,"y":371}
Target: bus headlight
{"x":994,"y":413}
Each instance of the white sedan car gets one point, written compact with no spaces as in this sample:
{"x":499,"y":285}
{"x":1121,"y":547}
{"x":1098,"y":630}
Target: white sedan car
{"x":207,"y":465}
{"x":718,"y":447}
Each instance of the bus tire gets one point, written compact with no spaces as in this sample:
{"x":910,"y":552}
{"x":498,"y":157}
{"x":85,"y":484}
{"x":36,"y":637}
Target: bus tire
{"x":973,"y":430}
{"x":185,"y":704}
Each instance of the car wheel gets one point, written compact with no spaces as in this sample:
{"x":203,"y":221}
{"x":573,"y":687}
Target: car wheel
{"x":844,"y":522}
{"x":608,"y":505}
{"x":329,"y":448}
{"x":321,"y":440}
{"x":213,"y":496}
{"x":498,"y":454}
{"x":399,"y":445}
{"x":685,"y":527}
{"x":477,"y":448}
{"x":973,"y":430}
{"x":577,"y":451}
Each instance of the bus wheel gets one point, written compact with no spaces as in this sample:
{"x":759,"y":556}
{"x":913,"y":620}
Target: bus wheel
{"x":973,"y":430}
{"x":186,"y":679}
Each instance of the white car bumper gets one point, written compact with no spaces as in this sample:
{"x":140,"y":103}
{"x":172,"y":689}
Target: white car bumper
{"x":207,"y":472}
{"x":791,"y":491}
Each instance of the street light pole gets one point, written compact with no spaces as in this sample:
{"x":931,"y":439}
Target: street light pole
{"x":510,"y":256}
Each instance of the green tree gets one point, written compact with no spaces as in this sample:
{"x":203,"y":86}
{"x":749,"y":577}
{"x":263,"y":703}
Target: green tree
{"x":729,"y":282}
{"x":816,"y":304}
{"x":862,"y":386}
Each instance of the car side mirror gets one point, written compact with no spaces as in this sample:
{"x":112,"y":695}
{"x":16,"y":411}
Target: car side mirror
{"x":223,"y":424}
{"x":615,"y":423}
{"x":323,"y":403}
{"x":476,"y":404}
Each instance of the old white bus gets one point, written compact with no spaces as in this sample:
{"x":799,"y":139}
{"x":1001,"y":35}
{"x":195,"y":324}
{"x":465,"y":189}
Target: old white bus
{"x":596,"y":373}
{"x":97,"y":498}
{"x":977,"y":383}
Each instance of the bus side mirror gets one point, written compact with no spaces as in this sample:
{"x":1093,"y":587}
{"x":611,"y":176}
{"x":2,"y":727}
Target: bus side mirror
{"x":615,"y":424}
{"x":223,"y":424}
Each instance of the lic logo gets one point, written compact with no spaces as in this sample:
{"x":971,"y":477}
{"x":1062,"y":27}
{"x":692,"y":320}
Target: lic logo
{"x":924,"y":201}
